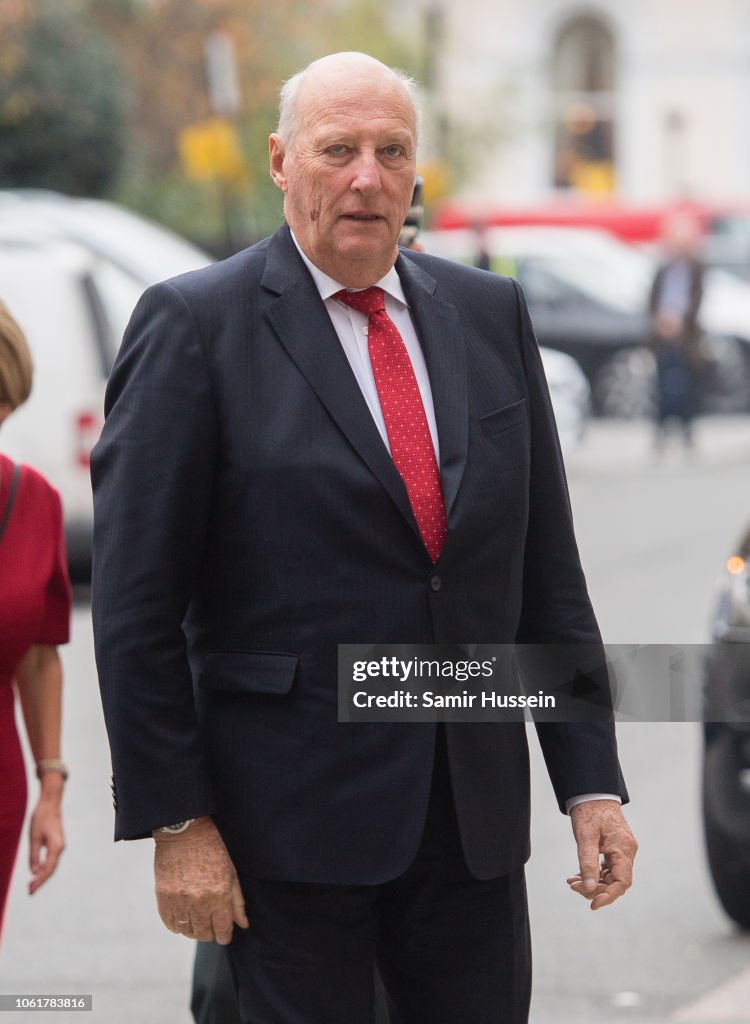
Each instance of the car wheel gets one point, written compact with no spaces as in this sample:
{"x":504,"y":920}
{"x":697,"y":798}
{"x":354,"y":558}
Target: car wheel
{"x":726,"y":388}
{"x":625,"y":386}
{"x":726,"y":834}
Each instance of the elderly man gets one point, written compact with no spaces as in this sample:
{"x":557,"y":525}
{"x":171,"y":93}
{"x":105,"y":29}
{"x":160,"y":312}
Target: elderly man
{"x":323,"y":441}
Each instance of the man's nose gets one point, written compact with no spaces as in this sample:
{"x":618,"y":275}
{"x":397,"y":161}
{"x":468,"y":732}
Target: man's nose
{"x":366,"y":175}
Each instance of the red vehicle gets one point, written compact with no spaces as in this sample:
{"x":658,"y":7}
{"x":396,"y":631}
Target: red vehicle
{"x":631,"y":223}
{"x":726,"y":226}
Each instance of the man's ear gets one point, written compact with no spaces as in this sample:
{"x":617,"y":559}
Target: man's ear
{"x":276,"y":153}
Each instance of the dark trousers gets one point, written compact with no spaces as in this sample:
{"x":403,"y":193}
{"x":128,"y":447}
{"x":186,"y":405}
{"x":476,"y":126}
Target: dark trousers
{"x":450,"y":948}
{"x":677,"y":389}
{"x":213,"y":999}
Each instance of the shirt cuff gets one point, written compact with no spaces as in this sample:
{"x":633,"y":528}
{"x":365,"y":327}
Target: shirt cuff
{"x":590,"y":796}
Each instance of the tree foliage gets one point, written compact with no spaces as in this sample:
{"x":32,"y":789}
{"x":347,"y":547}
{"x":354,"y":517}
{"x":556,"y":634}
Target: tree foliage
{"x":62,"y":100}
{"x":90,"y":87}
{"x":163,"y":42}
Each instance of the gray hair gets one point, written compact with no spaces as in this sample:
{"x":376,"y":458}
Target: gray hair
{"x":288,"y":126}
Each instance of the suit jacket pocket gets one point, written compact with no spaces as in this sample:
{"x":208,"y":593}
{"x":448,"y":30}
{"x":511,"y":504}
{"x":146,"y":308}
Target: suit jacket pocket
{"x":503,"y":419}
{"x":248,"y":672}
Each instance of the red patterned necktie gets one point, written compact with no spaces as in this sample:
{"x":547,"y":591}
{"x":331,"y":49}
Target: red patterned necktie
{"x":405,"y":420}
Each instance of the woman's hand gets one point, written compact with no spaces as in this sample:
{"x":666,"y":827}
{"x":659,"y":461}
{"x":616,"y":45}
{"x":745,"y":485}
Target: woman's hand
{"x":46,"y":839}
{"x":39,"y":680}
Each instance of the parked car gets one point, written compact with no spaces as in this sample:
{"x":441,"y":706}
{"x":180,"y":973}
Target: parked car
{"x":588,"y":295}
{"x":145,"y":251}
{"x":51,"y":289}
{"x":71,"y":272}
{"x":726,"y":753}
{"x":725,"y":225}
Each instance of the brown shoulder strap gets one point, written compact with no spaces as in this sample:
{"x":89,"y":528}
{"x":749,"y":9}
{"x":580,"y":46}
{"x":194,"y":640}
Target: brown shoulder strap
{"x":11,"y":498}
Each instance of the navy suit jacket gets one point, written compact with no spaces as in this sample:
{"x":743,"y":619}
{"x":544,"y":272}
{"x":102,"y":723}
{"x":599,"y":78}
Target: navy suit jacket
{"x":248,"y":518}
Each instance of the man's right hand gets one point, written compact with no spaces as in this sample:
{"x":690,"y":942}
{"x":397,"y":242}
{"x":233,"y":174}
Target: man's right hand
{"x":197,"y":890}
{"x":669,"y":326}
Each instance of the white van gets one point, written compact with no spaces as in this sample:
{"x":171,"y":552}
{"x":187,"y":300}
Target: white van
{"x":71,"y":271}
{"x":71,"y":306}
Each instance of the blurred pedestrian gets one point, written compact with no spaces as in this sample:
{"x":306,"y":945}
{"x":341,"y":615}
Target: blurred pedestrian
{"x":482,"y":260}
{"x":674,"y":304}
{"x":409,"y":235}
{"x":34,"y":618}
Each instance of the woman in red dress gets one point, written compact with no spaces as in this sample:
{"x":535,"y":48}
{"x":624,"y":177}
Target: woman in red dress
{"x":34,"y":618}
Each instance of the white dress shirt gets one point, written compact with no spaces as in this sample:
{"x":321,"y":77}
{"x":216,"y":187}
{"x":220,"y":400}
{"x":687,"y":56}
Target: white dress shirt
{"x":351,"y":327}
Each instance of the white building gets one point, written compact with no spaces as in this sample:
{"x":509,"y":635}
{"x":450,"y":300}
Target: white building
{"x":646,"y":99}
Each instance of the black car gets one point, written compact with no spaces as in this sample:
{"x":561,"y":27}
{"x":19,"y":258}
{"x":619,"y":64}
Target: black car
{"x":588,"y":295}
{"x":726,"y":757}
{"x":608,"y":341}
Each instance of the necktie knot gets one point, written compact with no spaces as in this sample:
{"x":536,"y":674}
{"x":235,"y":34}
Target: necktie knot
{"x":368,"y":300}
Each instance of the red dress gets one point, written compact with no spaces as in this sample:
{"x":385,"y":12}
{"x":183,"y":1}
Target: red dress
{"x":34,"y":609}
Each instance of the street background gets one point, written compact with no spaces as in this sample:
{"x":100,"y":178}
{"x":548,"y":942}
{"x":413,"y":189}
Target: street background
{"x":653,"y":537}
{"x":163,"y":107}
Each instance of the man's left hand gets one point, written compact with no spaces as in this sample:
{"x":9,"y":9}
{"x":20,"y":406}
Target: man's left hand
{"x":600,"y":830}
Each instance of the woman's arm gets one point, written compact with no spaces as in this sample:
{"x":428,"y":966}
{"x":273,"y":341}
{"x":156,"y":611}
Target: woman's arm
{"x":39,"y":681}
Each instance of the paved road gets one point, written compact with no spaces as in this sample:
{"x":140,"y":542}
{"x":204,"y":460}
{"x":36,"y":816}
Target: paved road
{"x":652,"y":538}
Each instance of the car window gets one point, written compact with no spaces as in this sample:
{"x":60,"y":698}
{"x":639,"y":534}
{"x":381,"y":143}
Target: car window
{"x":139,"y":247}
{"x":113,"y":295}
{"x":562,"y":264}
{"x":543,"y":288}
{"x":617,"y":284}
{"x":737,"y":225}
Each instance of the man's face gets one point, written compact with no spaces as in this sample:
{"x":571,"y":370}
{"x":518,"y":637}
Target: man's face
{"x":348,"y":175}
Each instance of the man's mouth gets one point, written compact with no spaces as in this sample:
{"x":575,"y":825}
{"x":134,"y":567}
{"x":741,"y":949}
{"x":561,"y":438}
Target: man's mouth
{"x":362,"y":216}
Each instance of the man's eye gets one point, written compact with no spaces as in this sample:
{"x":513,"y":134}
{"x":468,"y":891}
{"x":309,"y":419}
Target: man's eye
{"x":393,"y":151}
{"x":338,"y":150}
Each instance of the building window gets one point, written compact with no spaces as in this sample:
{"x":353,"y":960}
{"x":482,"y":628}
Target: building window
{"x":583,"y":87}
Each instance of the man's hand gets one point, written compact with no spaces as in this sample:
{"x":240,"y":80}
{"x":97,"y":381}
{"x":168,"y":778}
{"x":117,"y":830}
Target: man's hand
{"x":599,"y":827}
{"x":669,"y":325}
{"x":197,"y":890}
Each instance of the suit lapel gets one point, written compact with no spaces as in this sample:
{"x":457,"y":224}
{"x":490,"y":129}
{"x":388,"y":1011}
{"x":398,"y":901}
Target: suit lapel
{"x":444,"y":349}
{"x":301,"y":322}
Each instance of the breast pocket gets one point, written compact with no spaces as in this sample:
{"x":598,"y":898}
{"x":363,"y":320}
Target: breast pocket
{"x":497,"y":422}
{"x":268,"y":672}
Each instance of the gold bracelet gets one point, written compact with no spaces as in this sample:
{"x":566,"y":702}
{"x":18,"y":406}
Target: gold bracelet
{"x":52,"y":764}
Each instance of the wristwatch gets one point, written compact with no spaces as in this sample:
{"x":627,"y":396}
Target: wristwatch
{"x":178,"y":827}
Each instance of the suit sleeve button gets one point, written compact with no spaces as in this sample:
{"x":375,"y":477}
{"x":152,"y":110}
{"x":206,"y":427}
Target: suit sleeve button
{"x":435,"y":583}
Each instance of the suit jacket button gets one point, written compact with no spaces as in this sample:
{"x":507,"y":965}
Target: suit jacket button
{"x":435,"y":583}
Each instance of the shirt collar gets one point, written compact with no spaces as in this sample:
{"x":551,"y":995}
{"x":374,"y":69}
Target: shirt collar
{"x":327,"y":287}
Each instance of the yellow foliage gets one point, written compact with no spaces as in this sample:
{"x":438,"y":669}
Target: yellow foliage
{"x":437,"y":181}
{"x":211,"y":151}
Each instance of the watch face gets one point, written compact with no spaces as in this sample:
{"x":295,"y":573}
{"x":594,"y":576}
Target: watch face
{"x":179,"y":826}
